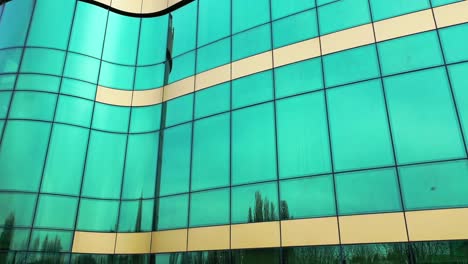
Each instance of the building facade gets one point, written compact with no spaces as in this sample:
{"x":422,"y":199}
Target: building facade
{"x":233,"y":131}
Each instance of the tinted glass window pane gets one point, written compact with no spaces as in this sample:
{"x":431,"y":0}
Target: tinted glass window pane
{"x":256,"y":256}
{"x":317,"y":254}
{"x":17,"y":13}
{"x":303,"y":146}
{"x":172,"y":258}
{"x":422,"y":117}
{"x":247,"y":14}
{"x":253,"y":144}
{"x":185,"y":28}
{"x":214,"y":20}
{"x":209,"y":208}
{"x":17,"y":209}
{"x":43,"y":61}
{"x":295,"y":28}
{"x":33,"y":105}
{"x":4,"y":103}
{"x":182,"y":67}
{"x":173,"y":212}
{"x":153,"y":40}
{"x":136,"y":216}
{"x":56,"y":212}
{"x":440,"y":251}
{"x":18,"y":239}
{"x":298,"y":78}
{"x":131,"y":259}
{"x":7,"y":81}
{"x":281,"y":8}
{"x":368,"y":192}
{"x":85,"y":258}
{"x":382,"y":9}
{"x":75,"y":111}
{"x":255,"y":203}
{"x":78,"y":88}
{"x":116,"y":76}
{"x":149,"y":77}
{"x":179,"y":110}
{"x":38,"y":82}
{"x":452,"y":42}
{"x":97,"y":215}
{"x":144,"y":119}
{"x":219,"y":257}
{"x":351,"y":14}
{"x":214,"y":55}
{"x":458,"y":75}
{"x":51,"y":241}
{"x":380,"y":253}
{"x":111,"y":118}
{"x":214,"y":100}
{"x":251,"y":42}
{"x":211,"y":152}
{"x":9,"y":60}
{"x":82,"y":67}
{"x":123,"y":30}
{"x":252,"y":89}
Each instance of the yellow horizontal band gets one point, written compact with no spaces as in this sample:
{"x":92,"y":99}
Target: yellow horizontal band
{"x":139,"y":6}
{"x":445,"y":224}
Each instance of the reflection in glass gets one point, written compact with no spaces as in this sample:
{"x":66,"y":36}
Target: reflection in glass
{"x":209,"y":257}
{"x":376,"y":253}
{"x":440,"y":252}
{"x":51,"y":241}
{"x":131,"y":259}
{"x":255,"y":203}
{"x":172,"y":258}
{"x":307,"y":255}
{"x":256,"y":256}
{"x":91,"y":259}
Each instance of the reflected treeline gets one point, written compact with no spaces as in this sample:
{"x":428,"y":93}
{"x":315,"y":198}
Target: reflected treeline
{"x":378,"y":253}
{"x":263,"y":210}
{"x":306,"y":255}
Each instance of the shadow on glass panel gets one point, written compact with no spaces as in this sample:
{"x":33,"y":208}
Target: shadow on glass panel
{"x":131,"y":259}
{"x":263,"y":210}
{"x":256,"y":256}
{"x":377,"y":253}
{"x":209,"y":257}
{"x":91,"y":259}
{"x":441,"y":252}
{"x":316,"y":255}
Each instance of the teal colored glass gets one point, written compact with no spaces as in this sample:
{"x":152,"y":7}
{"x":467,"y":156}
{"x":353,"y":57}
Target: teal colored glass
{"x":281,"y":8}
{"x":104,"y":166}
{"x":436,"y":3}
{"x":253,"y":144}
{"x":298,"y":78}
{"x":170,"y":258}
{"x":140,"y":166}
{"x":75,"y":111}
{"x":251,"y":42}
{"x":134,"y":259}
{"x":38,"y":82}
{"x":17,"y":209}
{"x":214,"y":20}
{"x":382,"y":9}
{"x":438,"y":185}
{"x":50,"y":241}
{"x":49,"y":257}
{"x":255,"y":203}
{"x":149,"y":77}
{"x":253,"y":89}
{"x":371,"y":191}
{"x":2,"y":123}
{"x":422,"y":117}
{"x":15,"y":22}
{"x":211,"y":152}
{"x":145,"y":119}
{"x":78,"y":88}
{"x":410,"y":53}
{"x":295,"y":28}
{"x":153,"y":40}
{"x":136,"y":216}
{"x":33,"y":105}
{"x":7,"y":81}
{"x":24,"y":143}
{"x":314,"y":254}
{"x":9,"y":60}
{"x":359,"y":127}
{"x":350,"y":66}
{"x":116,"y":76}
{"x":459,"y":81}
{"x":81,"y":67}
{"x":46,"y":61}
{"x":452,"y":39}
{"x":97,"y":215}
{"x":183,"y":67}
{"x":247,"y":14}
{"x":212,"y":101}
{"x":55,"y":211}
{"x":179,"y":110}
{"x":4,"y":102}
{"x":214,"y":55}
{"x":307,"y":197}
{"x":383,"y":253}
{"x":175,"y":169}
{"x":111,"y":118}
{"x":89,"y":28}
{"x":65,"y":160}
{"x":54,"y":16}
{"x":94,"y":258}
{"x":350,"y":14}
{"x":256,"y":256}
{"x":209,"y":208}
{"x":185,"y":28}
{"x":18,"y":239}
{"x":121,"y":35}
{"x":303,"y":144}
{"x":172,"y":212}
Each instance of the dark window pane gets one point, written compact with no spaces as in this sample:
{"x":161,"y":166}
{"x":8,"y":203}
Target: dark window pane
{"x":256,"y":256}
{"x":312,"y":255}
{"x":376,"y":253}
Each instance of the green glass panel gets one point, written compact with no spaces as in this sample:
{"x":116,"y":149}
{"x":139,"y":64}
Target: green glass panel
{"x":22,"y":154}
{"x":410,"y":53}
{"x":140,"y":166}
{"x":16,"y":239}
{"x":111,"y":118}
{"x":298,"y":78}
{"x":97,"y":215}
{"x":303,"y":145}
{"x":2,"y":123}
{"x":377,"y":253}
{"x":349,"y":66}
{"x":123,"y":30}
{"x":436,"y":3}
{"x":75,"y":111}
{"x":89,"y":28}
{"x":219,"y":257}
{"x":316,"y":254}
{"x":459,"y":81}
{"x":179,"y":110}
{"x":173,"y":212}
{"x":423,"y":117}
{"x":359,"y":127}
{"x":351,"y":13}
{"x":452,"y":43}
{"x":4,"y":103}
{"x":247,"y":14}
{"x":211,"y":152}
{"x":17,"y":209}
{"x":185,"y":28}
{"x":56,"y":17}
{"x":43,"y":61}
{"x":307,"y":197}
{"x":33,"y":105}
{"x":145,"y":119}
{"x":433,"y":252}
{"x":209,"y":208}
{"x":183,"y":67}
{"x":253,"y":144}
{"x":175,"y":169}
{"x":255,"y":203}
{"x":132,"y":259}
{"x":171,"y":258}
{"x":78,"y":88}
{"x":136,"y":216}
{"x":86,"y":258}
{"x":214,"y":100}
{"x":15,"y":22}
{"x":440,"y":185}
{"x":104,"y":166}
{"x":252,"y":89}
{"x":65,"y":160}
{"x":214,"y":55}
{"x":256,"y":256}
{"x":153,"y":40}
{"x":9,"y":60}
{"x":116,"y":76}
{"x":56,"y":212}
{"x":38,"y":82}
{"x":281,"y":8}
{"x":81,"y":67}
{"x":370,"y":191}
{"x":51,"y":241}
{"x":7,"y":81}
{"x":149,"y":77}
{"x":383,"y":9}
{"x":251,"y":42}
{"x":214,"y":20}
{"x":295,"y":28}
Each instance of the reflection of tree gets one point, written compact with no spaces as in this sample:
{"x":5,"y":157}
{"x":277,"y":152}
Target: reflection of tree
{"x":264,"y":210}
{"x":378,"y":253}
{"x":6,"y":236}
{"x":440,"y":252}
{"x":306,"y":255}
{"x":210,"y":257}
{"x":92,"y":259}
